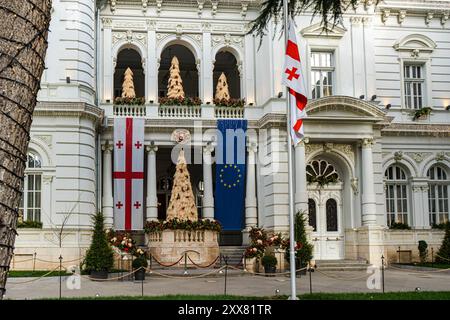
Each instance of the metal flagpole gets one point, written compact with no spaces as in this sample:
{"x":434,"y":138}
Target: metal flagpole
{"x":290,"y":168}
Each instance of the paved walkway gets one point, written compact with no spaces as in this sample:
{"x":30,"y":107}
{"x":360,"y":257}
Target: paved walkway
{"x":250,"y":285}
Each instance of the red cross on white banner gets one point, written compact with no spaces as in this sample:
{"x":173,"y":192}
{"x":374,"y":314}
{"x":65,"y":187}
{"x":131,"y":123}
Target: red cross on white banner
{"x":128,"y":173}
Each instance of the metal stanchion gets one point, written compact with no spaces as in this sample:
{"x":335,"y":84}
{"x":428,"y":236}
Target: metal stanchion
{"x":382,"y":272}
{"x":225,"y":258}
{"x":142,"y":283}
{"x":60,"y":276}
{"x":432,"y":257}
{"x":311,"y":270}
{"x":34,"y":261}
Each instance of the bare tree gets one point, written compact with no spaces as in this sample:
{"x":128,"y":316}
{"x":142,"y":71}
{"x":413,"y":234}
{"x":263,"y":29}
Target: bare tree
{"x":23,"y":43}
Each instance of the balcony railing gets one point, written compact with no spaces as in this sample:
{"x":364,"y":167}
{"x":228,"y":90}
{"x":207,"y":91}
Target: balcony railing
{"x":228,"y":112}
{"x":129,"y":110}
{"x":179,"y":112}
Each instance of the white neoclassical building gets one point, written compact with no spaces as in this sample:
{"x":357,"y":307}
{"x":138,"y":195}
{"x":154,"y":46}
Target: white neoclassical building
{"x":366,"y":162}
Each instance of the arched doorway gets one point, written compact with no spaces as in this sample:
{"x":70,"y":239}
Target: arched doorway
{"x":129,"y":58}
{"x":226,"y":62}
{"x":188,"y":70}
{"x":325,"y":209}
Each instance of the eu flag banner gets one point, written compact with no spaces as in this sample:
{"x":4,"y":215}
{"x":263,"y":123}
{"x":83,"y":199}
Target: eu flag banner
{"x":230,"y":174}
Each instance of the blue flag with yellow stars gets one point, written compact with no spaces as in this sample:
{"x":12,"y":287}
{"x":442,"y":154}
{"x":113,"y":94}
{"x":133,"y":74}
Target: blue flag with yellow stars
{"x":230,"y":174}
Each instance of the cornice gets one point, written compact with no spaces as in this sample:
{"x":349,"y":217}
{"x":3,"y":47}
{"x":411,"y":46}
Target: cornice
{"x":418,"y":130}
{"x":69,"y":109}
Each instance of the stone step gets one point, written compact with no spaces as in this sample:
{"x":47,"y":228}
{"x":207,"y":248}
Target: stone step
{"x":341,"y":265}
{"x":343,"y":268}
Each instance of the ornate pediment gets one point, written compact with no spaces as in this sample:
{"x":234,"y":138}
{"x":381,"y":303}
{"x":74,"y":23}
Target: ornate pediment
{"x":415,"y":43}
{"x":318,"y":30}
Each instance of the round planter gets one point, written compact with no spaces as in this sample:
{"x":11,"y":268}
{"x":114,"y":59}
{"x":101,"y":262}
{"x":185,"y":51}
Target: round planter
{"x":99,"y":274}
{"x":139,"y":275}
{"x":270,"y":269}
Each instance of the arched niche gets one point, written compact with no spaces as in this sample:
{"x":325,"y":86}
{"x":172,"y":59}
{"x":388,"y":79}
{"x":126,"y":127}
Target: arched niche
{"x":129,"y":58}
{"x":227,"y":63}
{"x":188,"y":69}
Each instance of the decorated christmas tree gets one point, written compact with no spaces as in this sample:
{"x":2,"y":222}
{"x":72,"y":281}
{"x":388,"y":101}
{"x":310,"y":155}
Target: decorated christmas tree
{"x":222,"y":92}
{"x":128,"y":85}
{"x":175,"y":84}
{"x":182,"y":202}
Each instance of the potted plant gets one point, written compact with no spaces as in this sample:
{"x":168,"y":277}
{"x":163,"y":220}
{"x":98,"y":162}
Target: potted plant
{"x":422,"y":113}
{"x":99,"y":256}
{"x":139,"y":264}
{"x":270,"y":263}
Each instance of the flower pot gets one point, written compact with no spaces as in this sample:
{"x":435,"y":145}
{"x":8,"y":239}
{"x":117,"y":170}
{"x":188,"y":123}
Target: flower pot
{"x":270,"y":269}
{"x":103,"y":274}
{"x":139,"y":275}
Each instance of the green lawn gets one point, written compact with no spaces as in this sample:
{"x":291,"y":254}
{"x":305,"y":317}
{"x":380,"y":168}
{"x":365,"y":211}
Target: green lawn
{"x":36,"y":273}
{"x":431,"y":265}
{"x":426,"y":295}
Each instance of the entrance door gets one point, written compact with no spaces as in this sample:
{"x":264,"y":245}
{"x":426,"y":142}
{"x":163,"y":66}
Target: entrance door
{"x":325,"y":216}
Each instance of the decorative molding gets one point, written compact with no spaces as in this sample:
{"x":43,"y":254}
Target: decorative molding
{"x":129,"y":25}
{"x":244,"y":8}
{"x":200,"y":4}
{"x":214,"y":5}
{"x":418,"y":156}
{"x":144,"y":5}
{"x":112,"y":6}
{"x":209,"y":148}
{"x":385,"y":15}
{"x":107,"y":22}
{"x":401,"y":16}
{"x":367,"y":143}
{"x":151,"y":148}
{"x":158,"y":6}
{"x":428,"y":18}
{"x":47,"y":139}
{"x":181,"y":136}
{"x":354,"y":185}
{"x":129,"y":36}
{"x":444,"y":18}
{"x":440,"y":156}
{"x":398,"y":155}
{"x":415,"y":44}
{"x":346,"y":149}
{"x":46,"y":179}
{"x":107,"y":147}
{"x":318,"y":30}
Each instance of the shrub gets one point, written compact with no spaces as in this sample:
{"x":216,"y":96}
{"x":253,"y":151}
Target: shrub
{"x":140,"y":262}
{"x":99,"y":256}
{"x":269,"y":261}
{"x":29,"y":224}
{"x":443,"y":255}
{"x":423,"y":250}
{"x":304,"y":249}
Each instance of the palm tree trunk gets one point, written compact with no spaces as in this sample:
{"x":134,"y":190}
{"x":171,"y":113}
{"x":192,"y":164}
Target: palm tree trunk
{"x":23,"y":44}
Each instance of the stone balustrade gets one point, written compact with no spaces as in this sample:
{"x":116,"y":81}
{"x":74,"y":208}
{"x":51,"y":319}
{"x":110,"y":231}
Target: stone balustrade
{"x":179,"y":112}
{"x":129,"y":110}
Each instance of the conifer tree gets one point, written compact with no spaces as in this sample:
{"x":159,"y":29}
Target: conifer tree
{"x":222,"y":91}
{"x":175,"y":84}
{"x":182,"y":202}
{"x":99,"y":256}
{"x":128,"y":85}
{"x":304,"y":248}
{"x":443,"y":255}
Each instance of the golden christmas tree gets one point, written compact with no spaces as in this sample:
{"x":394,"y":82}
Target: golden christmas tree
{"x":182,"y":201}
{"x":175,"y":84}
{"x":128,"y":85}
{"x":222,"y":92}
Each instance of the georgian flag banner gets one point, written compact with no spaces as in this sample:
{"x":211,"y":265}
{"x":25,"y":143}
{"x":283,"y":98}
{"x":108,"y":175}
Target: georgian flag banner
{"x":128,"y":173}
{"x":293,"y":79}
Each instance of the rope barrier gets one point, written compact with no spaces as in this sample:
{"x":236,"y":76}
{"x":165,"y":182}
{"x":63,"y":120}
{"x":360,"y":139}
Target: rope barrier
{"x":200,"y":266}
{"x":442,"y":257}
{"x":39,"y":278}
{"x":21,"y":261}
{"x":186,"y":277}
{"x":263,"y":273}
{"x":47,"y":261}
{"x":112,"y":279}
{"x":168,"y":265}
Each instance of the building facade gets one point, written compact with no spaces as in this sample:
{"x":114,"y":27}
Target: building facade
{"x":369,"y":160}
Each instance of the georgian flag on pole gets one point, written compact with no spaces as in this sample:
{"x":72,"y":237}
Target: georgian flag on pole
{"x":293,"y":79}
{"x":128,"y":173}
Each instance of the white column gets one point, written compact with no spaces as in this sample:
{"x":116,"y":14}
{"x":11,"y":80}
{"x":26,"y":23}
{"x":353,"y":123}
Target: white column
{"x":152,"y":64}
{"x":152,"y":197}
{"x":107,"y":200}
{"x":251,"y":212}
{"x":301,"y":192}
{"x":248,"y":87}
{"x":207,"y":94}
{"x":368,"y":189}
{"x":208,"y":197}
{"x":419,"y":212}
{"x":108,"y":69}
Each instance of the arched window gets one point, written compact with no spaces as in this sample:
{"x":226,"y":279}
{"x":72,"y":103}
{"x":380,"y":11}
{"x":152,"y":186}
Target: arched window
{"x":321,"y":172}
{"x":312,"y":214}
{"x":226,"y":63}
{"x":30,"y":206}
{"x":188,"y":70}
{"x":396,"y":195}
{"x":438,"y":195}
{"x":129,"y":58}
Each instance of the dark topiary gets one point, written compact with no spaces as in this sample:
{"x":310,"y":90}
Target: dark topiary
{"x":443,"y":255}
{"x":99,"y":256}
{"x":423,"y":250}
{"x":304,"y":250}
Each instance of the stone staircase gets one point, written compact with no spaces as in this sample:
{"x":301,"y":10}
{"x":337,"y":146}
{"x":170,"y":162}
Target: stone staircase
{"x":234,"y":254}
{"x":342,"y":265}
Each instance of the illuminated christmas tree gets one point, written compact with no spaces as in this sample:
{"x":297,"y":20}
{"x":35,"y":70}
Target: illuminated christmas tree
{"x":175,"y":84}
{"x":182,"y":201}
{"x":222,"y":92}
{"x":128,"y":85}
